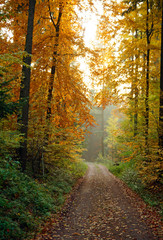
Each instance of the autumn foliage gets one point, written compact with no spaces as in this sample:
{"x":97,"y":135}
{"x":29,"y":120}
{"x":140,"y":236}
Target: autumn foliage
{"x":45,"y":103}
{"x":133,"y":74}
{"x":58,"y":103}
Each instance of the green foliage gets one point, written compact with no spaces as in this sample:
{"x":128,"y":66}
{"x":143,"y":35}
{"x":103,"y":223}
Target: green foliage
{"x":121,"y":169}
{"x":25,"y":202}
{"x":9,"y":139}
{"x":7,"y":76}
{"x":150,"y":168}
{"x":77,"y":169}
{"x":58,"y":184}
{"x":101,"y":159}
{"x":9,"y":136}
{"x":7,"y":107}
{"x":128,"y":173}
{"x":128,"y":147}
{"x":117,"y":170}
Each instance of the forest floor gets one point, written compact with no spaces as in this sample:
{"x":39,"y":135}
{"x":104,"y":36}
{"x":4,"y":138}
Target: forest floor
{"x":103,"y":207}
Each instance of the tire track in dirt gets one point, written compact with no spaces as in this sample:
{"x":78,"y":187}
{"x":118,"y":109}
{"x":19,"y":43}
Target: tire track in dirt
{"x":104,"y":208}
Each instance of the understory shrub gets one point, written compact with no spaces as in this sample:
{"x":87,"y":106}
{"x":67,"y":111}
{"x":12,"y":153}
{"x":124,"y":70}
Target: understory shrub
{"x":26,"y":202}
{"x":101,"y":159}
{"x":128,"y":173}
{"x":23,"y":203}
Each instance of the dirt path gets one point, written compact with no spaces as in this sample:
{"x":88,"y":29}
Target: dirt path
{"x":104,"y":208}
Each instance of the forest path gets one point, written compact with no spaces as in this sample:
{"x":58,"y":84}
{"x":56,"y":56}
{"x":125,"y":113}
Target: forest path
{"x":104,"y":208}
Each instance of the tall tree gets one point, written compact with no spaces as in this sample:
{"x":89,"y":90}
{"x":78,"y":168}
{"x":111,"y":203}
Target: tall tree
{"x":25,"y":84}
{"x":147,"y":77}
{"x":138,"y":66}
{"x":161,"y":89}
{"x":53,"y":67}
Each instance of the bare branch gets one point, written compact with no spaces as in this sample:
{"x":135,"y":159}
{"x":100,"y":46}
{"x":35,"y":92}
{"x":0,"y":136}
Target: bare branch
{"x":51,"y":17}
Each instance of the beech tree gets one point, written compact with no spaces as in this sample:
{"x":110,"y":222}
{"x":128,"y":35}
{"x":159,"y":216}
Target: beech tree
{"x":54,"y":60}
{"x":25,"y":84}
{"x":56,"y":114}
{"x":137,"y":69}
{"x":124,"y":64}
{"x":161,"y":89}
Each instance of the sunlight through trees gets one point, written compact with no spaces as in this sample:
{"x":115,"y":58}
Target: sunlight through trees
{"x":71,"y":67}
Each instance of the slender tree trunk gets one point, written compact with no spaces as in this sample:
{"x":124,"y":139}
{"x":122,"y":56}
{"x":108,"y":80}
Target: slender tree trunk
{"x":135,"y":83}
{"x":147,"y":80}
{"x":25,"y":85}
{"x":147,"y":101}
{"x":132,"y":90}
{"x":102,"y":130}
{"x":52,"y":75}
{"x":136,"y":113}
{"x":136,"y":91}
{"x":102,"y":120}
{"x":112,"y":150}
{"x":161,"y":90}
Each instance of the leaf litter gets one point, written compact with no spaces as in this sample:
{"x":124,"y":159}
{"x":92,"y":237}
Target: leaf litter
{"x":103,"y":207}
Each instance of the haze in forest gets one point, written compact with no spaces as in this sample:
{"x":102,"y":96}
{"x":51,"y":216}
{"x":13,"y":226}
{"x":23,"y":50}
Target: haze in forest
{"x":79,"y":81}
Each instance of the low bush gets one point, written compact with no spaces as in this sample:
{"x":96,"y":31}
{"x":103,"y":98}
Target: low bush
{"x":117,"y":169}
{"x":77,"y":169}
{"x":101,"y":159}
{"x":25,"y":202}
{"x":128,"y":173}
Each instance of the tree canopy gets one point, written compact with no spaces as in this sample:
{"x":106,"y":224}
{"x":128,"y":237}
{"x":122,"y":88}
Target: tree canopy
{"x":47,"y":107}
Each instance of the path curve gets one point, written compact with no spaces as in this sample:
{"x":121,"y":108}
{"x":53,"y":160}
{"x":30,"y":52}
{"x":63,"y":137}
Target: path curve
{"x":104,"y":208}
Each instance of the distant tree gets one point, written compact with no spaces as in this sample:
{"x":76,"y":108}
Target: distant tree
{"x":111,"y":139}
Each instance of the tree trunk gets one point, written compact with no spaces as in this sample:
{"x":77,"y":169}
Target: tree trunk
{"x":50,"y":90}
{"x":102,"y":131}
{"x":25,"y":85}
{"x":161,"y":90}
{"x":136,"y":91}
{"x":147,"y":80}
{"x":52,"y":75}
{"x":53,"y":70}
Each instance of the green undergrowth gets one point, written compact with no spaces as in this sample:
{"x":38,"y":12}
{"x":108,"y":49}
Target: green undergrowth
{"x":26,"y":202}
{"x":126,"y":171}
